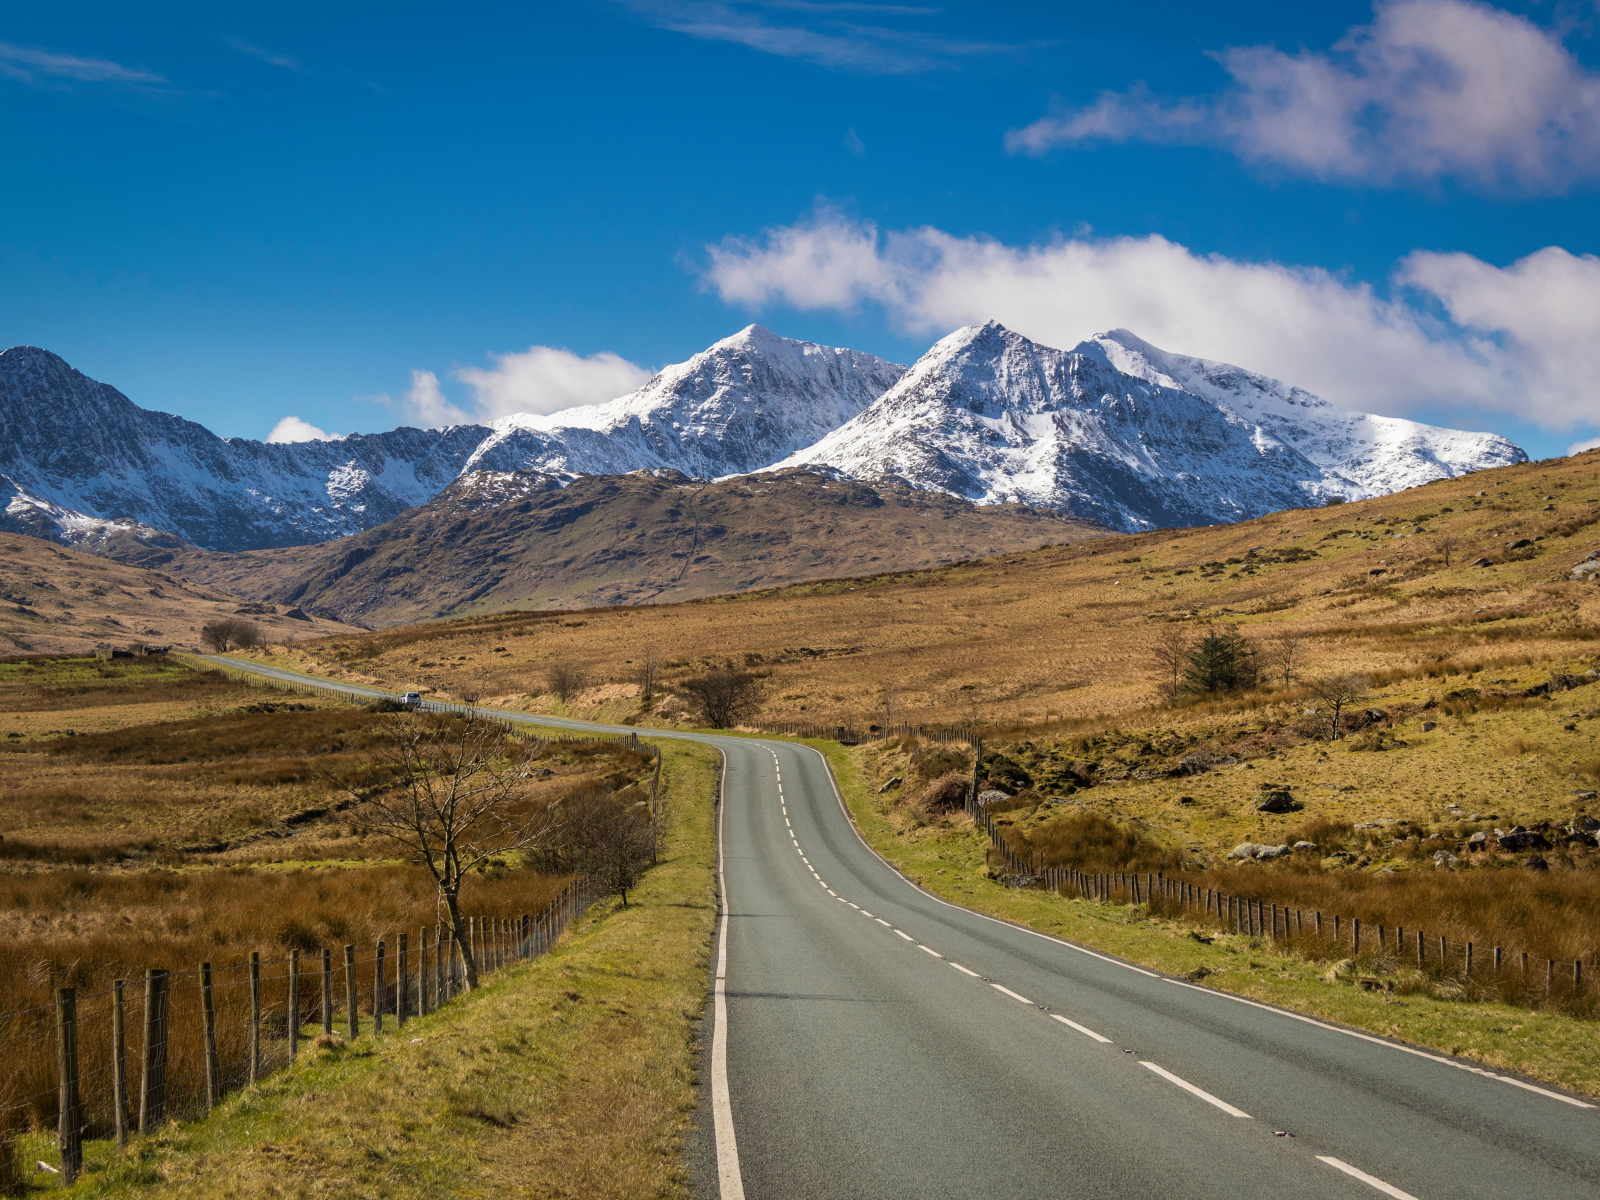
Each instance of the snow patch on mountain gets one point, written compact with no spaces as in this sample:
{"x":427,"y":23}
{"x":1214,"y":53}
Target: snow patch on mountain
{"x":1120,"y":432}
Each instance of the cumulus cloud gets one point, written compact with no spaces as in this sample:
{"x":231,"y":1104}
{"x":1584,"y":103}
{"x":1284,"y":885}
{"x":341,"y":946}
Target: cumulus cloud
{"x":544,"y":379}
{"x":425,"y":403}
{"x":1521,"y":340}
{"x":1431,"y":89}
{"x":293,"y":429}
{"x":25,"y":64}
{"x":1580,"y":447}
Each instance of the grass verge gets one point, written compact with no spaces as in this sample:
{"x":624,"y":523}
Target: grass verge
{"x":570,"y":1076}
{"x":950,"y":863}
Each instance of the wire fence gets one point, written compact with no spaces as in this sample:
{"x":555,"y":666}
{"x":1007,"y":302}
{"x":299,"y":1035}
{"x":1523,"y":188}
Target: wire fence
{"x":1510,"y":975}
{"x":849,"y":735}
{"x":140,"y":1053}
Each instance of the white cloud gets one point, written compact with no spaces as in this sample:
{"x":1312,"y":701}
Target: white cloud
{"x":833,"y":43}
{"x":266,"y":56}
{"x":544,"y":379}
{"x":1431,"y":89}
{"x":293,"y":429}
{"x":854,"y":144}
{"x":1522,"y":340}
{"x":23,"y":64}
{"x":1580,"y":447}
{"x":425,"y":403}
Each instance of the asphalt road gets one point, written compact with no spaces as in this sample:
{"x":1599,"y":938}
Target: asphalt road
{"x":870,"y":1040}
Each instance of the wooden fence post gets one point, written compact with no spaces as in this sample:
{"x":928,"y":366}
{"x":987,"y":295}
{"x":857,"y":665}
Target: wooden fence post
{"x":153,"y":1074}
{"x":119,"y":1065}
{"x":1355,"y":936}
{"x":255,"y":1016}
{"x":294,"y":1004}
{"x":422,"y":971}
{"x":351,"y":993}
{"x":441,"y":947}
{"x":327,"y":992}
{"x":1422,"y":951}
{"x":402,"y":982}
{"x":208,"y":1022}
{"x":377,"y":992}
{"x":69,"y":1123}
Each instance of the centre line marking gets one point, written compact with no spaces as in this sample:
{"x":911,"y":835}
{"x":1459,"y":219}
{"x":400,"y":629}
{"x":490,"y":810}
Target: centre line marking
{"x":1204,"y":1095}
{"x":1081,"y":1029}
{"x":881,"y":921}
{"x":925,"y":950}
{"x":963,"y":970}
{"x":907,"y":936}
{"x":865,"y":913}
{"x":1388,"y":1189}
{"x":1010,"y":993}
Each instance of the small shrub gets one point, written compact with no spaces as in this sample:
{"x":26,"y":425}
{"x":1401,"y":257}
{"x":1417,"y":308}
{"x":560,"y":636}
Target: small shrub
{"x":945,"y":794}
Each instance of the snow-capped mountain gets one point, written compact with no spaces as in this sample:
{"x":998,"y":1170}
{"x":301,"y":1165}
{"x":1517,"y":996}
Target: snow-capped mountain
{"x":73,"y":450}
{"x":76,"y":454}
{"x":743,"y":404}
{"x":1120,"y":432}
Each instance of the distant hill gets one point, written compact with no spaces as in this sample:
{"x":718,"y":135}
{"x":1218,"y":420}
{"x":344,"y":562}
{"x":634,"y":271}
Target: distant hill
{"x":59,"y":601}
{"x":499,"y":540}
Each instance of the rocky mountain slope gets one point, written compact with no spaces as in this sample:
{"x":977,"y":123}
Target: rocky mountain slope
{"x":1122,"y":433}
{"x":81,"y":463}
{"x":494,"y":540}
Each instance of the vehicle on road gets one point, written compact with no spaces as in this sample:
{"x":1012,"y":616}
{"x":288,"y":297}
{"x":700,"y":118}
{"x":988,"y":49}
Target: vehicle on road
{"x":412,"y":699}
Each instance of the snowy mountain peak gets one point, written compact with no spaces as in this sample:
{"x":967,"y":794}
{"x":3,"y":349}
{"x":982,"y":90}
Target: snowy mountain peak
{"x":1122,"y":432}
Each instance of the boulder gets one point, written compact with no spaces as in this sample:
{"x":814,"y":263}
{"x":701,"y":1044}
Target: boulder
{"x":1538,"y":864}
{"x":1246,"y":851}
{"x":1304,"y":845}
{"x":297,"y":614}
{"x":1478,"y":841}
{"x":1278,"y":802}
{"x":1521,"y":543}
{"x":891,"y":785}
{"x":1482,"y":562}
{"x":1521,"y":839}
{"x":1444,"y":858}
{"x":1586,"y":824}
{"x":1429,"y":726}
{"x":1586,"y":795}
{"x":991,"y":796}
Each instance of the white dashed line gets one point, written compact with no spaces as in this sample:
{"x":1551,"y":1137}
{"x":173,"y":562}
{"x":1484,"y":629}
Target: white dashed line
{"x":881,"y":921}
{"x":1010,"y":993}
{"x":963,"y":970}
{"x":907,"y":936}
{"x":1081,"y":1029}
{"x":1194,"y":1091}
{"x":926,"y":950}
{"x":1388,"y":1189}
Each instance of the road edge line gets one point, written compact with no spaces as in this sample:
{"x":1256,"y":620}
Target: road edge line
{"x":730,"y":1183}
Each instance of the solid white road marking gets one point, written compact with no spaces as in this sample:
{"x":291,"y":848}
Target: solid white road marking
{"x":1194,"y":1091}
{"x":964,"y":971}
{"x":1080,"y":1028}
{"x":907,"y":936}
{"x":731,"y":1184}
{"x":1388,"y":1189}
{"x":925,"y":949}
{"x":1010,"y":993}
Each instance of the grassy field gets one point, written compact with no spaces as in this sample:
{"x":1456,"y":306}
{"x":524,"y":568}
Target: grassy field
{"x":1064,"y":633}
{"x":950,"y":858}
{"x":571,"y":1076}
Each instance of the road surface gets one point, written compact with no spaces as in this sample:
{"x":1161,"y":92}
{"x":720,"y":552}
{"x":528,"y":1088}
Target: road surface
{"x":870,"y":1040}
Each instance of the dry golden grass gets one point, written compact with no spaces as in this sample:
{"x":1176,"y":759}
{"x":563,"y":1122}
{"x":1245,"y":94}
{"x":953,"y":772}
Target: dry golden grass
{"x":1062,"y":633}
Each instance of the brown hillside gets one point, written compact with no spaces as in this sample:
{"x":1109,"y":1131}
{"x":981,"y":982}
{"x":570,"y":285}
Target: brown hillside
{"x":494,"y":541}
{"x":58,"y":601}
{"x":1067,"y":629}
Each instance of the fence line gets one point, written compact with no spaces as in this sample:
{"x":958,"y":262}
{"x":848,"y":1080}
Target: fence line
{"x":849,"y":735}
{"x":1282,"y":923}
{"x":132,"y":1058}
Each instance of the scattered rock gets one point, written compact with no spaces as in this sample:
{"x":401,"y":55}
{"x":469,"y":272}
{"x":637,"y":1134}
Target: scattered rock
{"x":1429,"y":726}
{"x":1521,"y":543}
{"x":1278,"y":802}
{"x":1585,"y":824}
{"x":1020,"y":881}
{"x":1482,"y":562}
{"x":891,"y":785}
{"x":1254,"y":850}
{"x":991,"y":796}
{"x":1304,"y":845}
{"x":1443,"y":858}
{"x":1587,"y":795}
{"x":297,"y":614}
{"x":1521,"y":839}
{"x":1538,"y":864}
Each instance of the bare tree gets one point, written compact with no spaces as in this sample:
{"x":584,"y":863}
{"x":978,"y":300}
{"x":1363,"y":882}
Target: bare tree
{"x":619,"y":844}
{"x":649,"y":672}
{"x":228,"y":633}
{"x":565,"y":680}
{"x":1169,"y":658}
{"x":889,"y":709}
{"x":1339,"y":692}
{"x":473,"y":686}
{"x":1448,"y":545}
{"x":457,"y":797}
{"x":724,"y":696}
{"x":1284,"y":653}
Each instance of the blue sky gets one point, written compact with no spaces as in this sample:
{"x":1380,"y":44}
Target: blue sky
{"x":358,"y":215}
